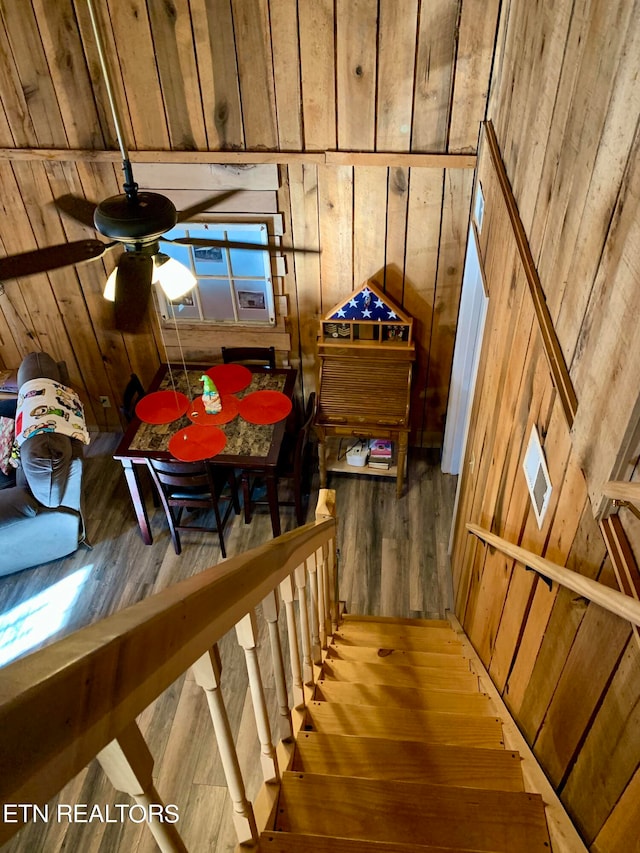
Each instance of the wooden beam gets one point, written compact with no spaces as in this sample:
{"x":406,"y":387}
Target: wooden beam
{"x":223,"y":157}
{"x":557,"y":365}
{"x":321,"y":158}
{"x":394,"y":158}
{"x":195,"y":342}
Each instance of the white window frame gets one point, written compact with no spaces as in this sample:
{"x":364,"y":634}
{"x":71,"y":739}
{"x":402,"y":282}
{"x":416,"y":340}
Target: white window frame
{"x":170,"y":311}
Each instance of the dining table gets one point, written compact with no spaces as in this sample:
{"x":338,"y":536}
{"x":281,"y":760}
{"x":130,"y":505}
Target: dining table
{"x":248,"y":446}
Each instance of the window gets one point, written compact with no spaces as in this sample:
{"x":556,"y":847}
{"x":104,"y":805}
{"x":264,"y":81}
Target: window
{"x":234,"y":285}
{"x":537,"y":476}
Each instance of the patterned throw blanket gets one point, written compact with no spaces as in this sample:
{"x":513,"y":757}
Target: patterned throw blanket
{"x":47,"y":406}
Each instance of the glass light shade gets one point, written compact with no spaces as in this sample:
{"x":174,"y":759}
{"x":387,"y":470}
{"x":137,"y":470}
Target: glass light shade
{"x":174,"y":278}
{"x":110,"y":286}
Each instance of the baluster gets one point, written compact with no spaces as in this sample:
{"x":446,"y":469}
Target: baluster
{"x":314,"y":607}
{"x":326,"y":508}
{"x":327,"y":576}
{"x":301,"y":585}
{"x":332,"y":586}
{"x":246,"y":633}
{"x":271,"y":611}
{"x":207,"y":671}
{"x":287,"y":591}
{"x":129,"y":765}
{"x":322,"y":595}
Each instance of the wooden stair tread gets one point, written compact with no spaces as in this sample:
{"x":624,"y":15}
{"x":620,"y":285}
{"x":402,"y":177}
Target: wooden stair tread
{"x":295,"y":842}
{"x":379,"y":673}
{"x":395,"y":620}
{"x":403,"y":724}
{"x":409,"y":761}
{"x":442,"y":630}
{"x":403,"y":657}
{"x":482,"y":820}
{"x":402,"y":696}
{"x":442,"y":642}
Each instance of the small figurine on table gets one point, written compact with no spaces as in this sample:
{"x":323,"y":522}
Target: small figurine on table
{"x":210,"y":396}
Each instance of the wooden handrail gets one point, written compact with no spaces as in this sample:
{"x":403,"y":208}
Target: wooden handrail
{"x":552,"y":349}
{"x":618,"y":490}
{"x":612,"y":600}
{"x":63,"y":704}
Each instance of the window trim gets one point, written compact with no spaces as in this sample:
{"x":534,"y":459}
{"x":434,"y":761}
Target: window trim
{"x":169,"y":316}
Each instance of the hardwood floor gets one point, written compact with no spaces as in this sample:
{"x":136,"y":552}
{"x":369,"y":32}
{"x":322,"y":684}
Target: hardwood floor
{"x":392,"y":561}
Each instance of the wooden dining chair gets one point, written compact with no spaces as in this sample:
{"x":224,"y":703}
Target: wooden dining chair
{"x":193,"y":486}
{"x":257,"y":356}
{"x":132,"y":393}
{"x":295,"y":466}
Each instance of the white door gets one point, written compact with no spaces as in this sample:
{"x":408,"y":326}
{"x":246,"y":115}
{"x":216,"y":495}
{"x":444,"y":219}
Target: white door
{"x":466,"y":353}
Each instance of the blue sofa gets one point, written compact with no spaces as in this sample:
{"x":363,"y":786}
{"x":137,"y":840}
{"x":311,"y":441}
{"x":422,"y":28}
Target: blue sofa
{"x":40,"y":509}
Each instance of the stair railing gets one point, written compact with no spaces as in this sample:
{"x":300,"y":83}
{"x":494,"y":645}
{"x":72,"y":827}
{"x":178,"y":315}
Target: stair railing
{"x":611,"y":599}
{"x":79,"y":698}
{"x":621,"y":491}
{"x":623,"y":494}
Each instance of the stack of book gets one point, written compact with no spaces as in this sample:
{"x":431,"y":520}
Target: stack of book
{"x":380,"y":452}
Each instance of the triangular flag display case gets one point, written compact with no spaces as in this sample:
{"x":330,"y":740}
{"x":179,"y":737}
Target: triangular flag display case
{"x":367,"y":317}
{"x":366,"y":354}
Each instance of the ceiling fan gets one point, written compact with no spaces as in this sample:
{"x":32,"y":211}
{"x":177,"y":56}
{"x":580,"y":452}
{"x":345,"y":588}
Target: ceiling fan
{"x":134,"y":220}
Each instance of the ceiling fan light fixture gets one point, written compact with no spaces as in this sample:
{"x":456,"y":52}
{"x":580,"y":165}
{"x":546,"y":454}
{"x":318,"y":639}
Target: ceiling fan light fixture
{"x":141,"y":217}
{"x":172,"y":276}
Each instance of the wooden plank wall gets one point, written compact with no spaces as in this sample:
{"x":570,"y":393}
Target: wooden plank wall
{"x":565,"y":105}
{"x":297,"y":78}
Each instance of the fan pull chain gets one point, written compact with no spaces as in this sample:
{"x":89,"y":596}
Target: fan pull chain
{"x":164,"y":344}
{"x":184,"y":366}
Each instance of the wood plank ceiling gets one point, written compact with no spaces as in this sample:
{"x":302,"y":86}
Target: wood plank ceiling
{"x":347,"y":96}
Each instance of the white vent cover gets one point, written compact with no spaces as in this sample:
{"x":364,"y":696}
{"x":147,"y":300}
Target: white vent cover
{"x":537,"y":476}
{"x":478,"y":207}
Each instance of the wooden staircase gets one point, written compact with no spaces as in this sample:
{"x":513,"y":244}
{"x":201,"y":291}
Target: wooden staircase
{"x":400,"y":751}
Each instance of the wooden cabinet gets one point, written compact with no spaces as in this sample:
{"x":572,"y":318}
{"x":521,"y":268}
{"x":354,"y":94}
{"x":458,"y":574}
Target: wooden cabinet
{"x":366,"y":354}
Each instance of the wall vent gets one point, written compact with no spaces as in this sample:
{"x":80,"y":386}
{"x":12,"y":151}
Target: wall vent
{"x":537,"y":476}
{"x":478,"y":207}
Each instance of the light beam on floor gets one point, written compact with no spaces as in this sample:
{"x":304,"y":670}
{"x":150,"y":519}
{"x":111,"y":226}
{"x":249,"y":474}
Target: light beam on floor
{"x":30,"y":623}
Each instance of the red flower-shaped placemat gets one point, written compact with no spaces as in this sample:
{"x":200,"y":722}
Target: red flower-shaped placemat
{"x":264,"y":407}
{"x":230,"y":378}
{"x":162,"y":407}
{"x":198,"y":415}
{"x":196,"y":442}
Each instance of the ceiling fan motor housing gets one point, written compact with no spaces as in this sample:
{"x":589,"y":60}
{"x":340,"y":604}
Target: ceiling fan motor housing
{"x":145,"y":216}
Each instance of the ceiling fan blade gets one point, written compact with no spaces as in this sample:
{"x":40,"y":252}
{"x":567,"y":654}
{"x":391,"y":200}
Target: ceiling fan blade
{"x":80,"y":209}
{"x":212,"y":201}
{"x":51,"y":258}
{"x":230,"y":244}
{"x":133,"y":288}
